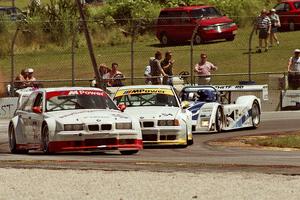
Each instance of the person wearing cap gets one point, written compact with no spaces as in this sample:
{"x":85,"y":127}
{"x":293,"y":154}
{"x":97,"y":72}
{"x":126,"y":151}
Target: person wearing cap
{"x":275,"y":23}
{"x":263,"y":25}
{"x":156,"y":69}
{"x":204,"y":69}
{"x":294,"y":70}
{"x":30,"y":80}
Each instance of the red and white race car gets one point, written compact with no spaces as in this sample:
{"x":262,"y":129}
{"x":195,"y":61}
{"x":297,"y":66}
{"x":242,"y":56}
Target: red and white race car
{"x":72,"y":119}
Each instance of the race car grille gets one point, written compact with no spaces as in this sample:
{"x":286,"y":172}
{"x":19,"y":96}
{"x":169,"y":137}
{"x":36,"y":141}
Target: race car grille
{"x":106,"y":127}
{"x":148,"y":124}
{"x":150,"y":137}
{"x":93,"y":127}
{"x":167,"y":137}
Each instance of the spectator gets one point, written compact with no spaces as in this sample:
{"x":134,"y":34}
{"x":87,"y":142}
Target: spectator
{"x":167,"y":65}
{"x":147,"y":72}
{"x":263,"y":25}
{"x":31,"y":80}
{"x":114,"y":77}
{"x":294,"y":70}
{"x":203,"y":70}
{"x":103,"y":69}
{"x":275,"y":23}
{"x":21,"y":79}
{"x":156,"y":69}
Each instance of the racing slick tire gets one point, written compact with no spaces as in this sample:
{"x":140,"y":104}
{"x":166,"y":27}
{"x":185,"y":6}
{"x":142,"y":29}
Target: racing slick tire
{"x":12,"y":142}
{"x":45,"y":139}
{"x":219,"y":119}
{"x":255,"y":114}
{"x":131,"y":152}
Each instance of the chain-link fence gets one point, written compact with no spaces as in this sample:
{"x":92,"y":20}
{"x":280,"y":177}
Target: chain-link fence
{"x":59,"y":55}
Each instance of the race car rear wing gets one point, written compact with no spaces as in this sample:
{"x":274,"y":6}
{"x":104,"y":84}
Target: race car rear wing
{"x":244,"y":88}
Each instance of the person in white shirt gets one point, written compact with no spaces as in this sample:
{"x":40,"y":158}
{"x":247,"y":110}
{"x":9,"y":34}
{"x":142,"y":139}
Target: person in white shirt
{"x":294,"y":70}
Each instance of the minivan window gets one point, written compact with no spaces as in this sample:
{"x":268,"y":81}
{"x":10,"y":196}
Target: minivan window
{"x":205,"y":12}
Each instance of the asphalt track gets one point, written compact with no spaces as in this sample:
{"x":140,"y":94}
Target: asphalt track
{"x":199,"y":157}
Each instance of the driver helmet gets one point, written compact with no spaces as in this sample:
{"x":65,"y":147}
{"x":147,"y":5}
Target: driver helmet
{"x":206,"y":95}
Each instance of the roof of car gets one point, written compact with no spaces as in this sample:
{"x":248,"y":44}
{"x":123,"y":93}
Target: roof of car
{"x":146,"y":87}
{"x":186,"y":8}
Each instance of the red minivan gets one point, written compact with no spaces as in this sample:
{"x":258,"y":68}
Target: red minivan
{"x":178,"y":25}
{"x":289,"y":13}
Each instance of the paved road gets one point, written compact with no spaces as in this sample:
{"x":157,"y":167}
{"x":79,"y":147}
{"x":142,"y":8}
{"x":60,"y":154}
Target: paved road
{"x":199,"y":156}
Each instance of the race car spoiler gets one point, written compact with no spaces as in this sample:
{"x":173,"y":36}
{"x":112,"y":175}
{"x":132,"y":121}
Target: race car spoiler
{"x":244,"y":88}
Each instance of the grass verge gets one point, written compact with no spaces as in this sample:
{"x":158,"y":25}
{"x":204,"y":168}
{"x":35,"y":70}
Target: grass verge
{"x":286,"y":141}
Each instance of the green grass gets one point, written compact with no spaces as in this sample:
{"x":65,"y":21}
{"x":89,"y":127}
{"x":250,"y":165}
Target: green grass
{"x":231,"y":57}
{"x":288,"y":141}
{"x":19,"y":3}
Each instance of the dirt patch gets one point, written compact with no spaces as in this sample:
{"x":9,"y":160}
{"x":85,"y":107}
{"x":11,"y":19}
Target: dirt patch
{"x":246,"y":141}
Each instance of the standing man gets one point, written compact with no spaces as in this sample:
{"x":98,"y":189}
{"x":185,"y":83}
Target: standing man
{"x":275,"y":23}
{"x":263,"y":25}
{"x":294,"y":70}
{"x":156,"y":69}
{"x":204,"y":69}
{"x":167,"y":65}
{"x":114,"y":76}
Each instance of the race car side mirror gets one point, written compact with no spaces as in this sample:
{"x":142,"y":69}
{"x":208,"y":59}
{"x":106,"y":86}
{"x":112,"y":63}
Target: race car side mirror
{"x":122,"y":107}
{"x":37,"y":109}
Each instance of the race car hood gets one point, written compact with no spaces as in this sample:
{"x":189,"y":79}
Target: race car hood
{"x":153,"y":112}
{"x":89,"y":116}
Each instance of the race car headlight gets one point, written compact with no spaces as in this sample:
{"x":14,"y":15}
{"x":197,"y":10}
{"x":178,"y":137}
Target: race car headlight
{"x":174,"y":122}
{"x":204,"y":123}
{"x":73,"y":127}
{"x":123,"y":125}
{"x":232,"y":24}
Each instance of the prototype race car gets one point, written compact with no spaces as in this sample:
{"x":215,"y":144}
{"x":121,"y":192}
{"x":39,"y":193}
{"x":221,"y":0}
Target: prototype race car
{"x":72,"y":119}
{"x":163,"y":120}
{"x":213,"y":111}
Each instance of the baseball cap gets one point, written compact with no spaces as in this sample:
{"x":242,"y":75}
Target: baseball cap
{"x":273,"y":10}
{"x":297,"y":51}
{"x":29,"y":70}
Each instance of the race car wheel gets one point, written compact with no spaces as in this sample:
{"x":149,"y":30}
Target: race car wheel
{"x":45,"y":139}
{"x":255,"y":114}
{"x":12,"y":141}
{"x":129,"y":152}
{"x":219,"y":119}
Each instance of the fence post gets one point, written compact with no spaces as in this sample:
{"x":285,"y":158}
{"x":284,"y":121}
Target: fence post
{"x":250,"y":53}
{"x":73,"y":53}
{"x":192,"y":54}
{"x":132,"y":52}
{"x":12,"y":89}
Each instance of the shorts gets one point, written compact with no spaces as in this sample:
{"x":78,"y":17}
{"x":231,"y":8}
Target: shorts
{"x":274,"y":29}
{"x":263,"y":34}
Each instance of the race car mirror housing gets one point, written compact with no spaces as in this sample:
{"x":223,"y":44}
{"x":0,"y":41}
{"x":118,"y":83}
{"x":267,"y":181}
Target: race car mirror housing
{"x":122,"y":107}
{"x":37,"y":109}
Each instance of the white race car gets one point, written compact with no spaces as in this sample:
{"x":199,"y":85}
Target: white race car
{"x":163,"y":121}
{"x":213,"y":111}
{"x":72,"y":119}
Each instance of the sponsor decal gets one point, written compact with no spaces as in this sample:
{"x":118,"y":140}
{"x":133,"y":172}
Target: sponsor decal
{"x":75,"y":92}
{"x":144,"y":91}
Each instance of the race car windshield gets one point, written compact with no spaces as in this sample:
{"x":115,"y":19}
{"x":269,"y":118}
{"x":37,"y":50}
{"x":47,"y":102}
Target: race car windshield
{"x":205,"y":12}
{"x":70,"y":101}
{"x":148,"y":99}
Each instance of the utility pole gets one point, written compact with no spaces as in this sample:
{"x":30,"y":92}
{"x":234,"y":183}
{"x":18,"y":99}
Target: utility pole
{"x":99,"y":80}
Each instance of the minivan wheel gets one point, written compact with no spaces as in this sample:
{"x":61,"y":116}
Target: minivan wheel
{"x":164,"y":39}
{"x":231,"y":38}
{"x":197,"y":39}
